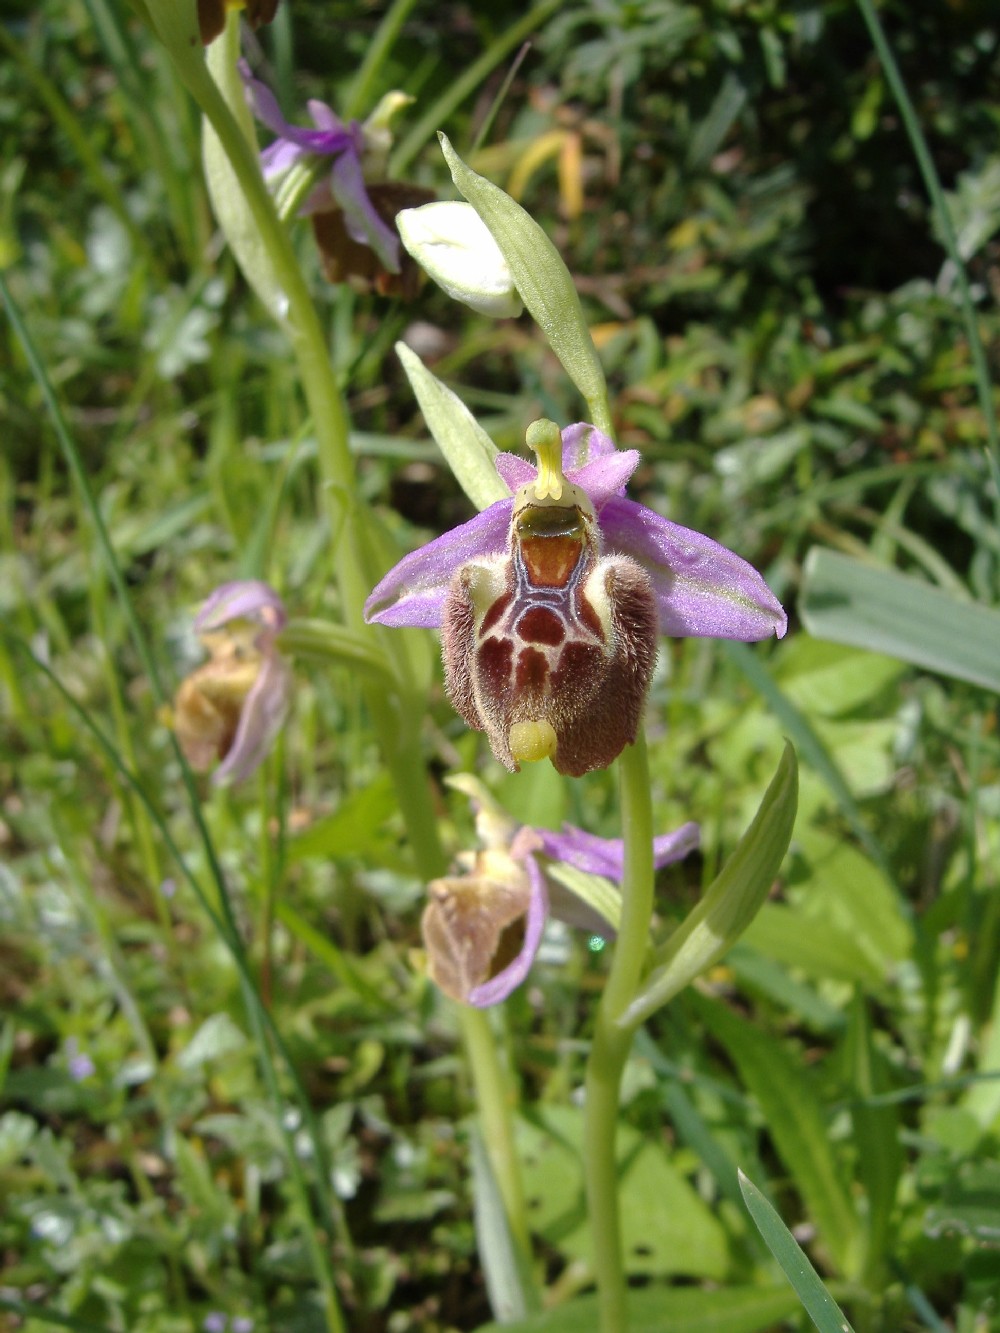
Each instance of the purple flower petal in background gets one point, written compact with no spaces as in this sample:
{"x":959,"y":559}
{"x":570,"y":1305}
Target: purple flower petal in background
{"x":232,"y":708}
{"x":344,"y":146}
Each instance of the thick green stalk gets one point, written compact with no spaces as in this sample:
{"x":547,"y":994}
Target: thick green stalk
{"x":611,"y":1043}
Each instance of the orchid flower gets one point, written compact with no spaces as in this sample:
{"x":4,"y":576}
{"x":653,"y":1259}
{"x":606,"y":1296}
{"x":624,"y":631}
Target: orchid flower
{"x":344,"y":189}
{"x":232,"y":707}
{"x":550,"y":602}
{"x":482,"y":928}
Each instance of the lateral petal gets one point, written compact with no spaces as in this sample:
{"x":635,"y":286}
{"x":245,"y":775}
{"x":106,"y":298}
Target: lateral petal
{"x":702,"y":589}
{"x":413,"y":592}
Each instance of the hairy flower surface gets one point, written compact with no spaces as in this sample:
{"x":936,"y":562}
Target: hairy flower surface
{"x":343,"y":192}
{"x":232,"y":707}
{"x":550,"y":602}
{"x":482,"y":928}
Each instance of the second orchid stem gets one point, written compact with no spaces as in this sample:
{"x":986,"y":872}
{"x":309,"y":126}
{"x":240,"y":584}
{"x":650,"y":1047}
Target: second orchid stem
{"x":612,"y":1042}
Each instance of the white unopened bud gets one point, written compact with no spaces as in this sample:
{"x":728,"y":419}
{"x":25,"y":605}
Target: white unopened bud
{"x":451,"y":243}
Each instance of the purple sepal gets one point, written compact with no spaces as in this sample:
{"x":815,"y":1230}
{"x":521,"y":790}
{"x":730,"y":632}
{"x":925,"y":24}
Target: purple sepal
{"x":261,"y":718}
{"x":243,"y":599}
{"x":413,"y":592}
{"x":500,"y":986}
{"x":605,"y":856}
{"x":363,"y":223}
{"x":702,"y":589}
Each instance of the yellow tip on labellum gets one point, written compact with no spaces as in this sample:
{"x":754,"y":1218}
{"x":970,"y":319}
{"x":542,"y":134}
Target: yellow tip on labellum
{"x":545,"y":440}
{"x":531,"y":741}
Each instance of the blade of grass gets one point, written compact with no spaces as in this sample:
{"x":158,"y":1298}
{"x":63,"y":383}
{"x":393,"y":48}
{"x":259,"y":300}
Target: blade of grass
{"x":933,"y":185}
{"x":822,"y":1309}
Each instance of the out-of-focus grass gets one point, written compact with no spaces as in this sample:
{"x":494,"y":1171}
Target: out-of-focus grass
{"x":787,"y":350}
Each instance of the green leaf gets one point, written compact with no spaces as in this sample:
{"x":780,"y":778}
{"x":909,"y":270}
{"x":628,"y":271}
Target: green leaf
{"x":352,"y":829}
{"x":218,"y":1036}
{"x":236,"y":221}
{"x":467,"y":449}
{"x":819,"y":1304}
{"x":666,"y":1226}
{"x":851,"y":602}
{"x":542,"y":280}
{"x":504,"y":1280}
{"x":876,"y":1132}
{"x":797,"y":1125}
{"x":731,"y":902}
{"x":679,"y":1310}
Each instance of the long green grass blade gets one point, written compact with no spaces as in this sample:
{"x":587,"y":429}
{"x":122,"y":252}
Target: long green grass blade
{"x":819,"y":1304}
{"x":851,"y":602}
{"x":797,"y":1125}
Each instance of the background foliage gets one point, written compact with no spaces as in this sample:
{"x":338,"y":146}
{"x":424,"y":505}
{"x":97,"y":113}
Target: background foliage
{"x":785,"y":345}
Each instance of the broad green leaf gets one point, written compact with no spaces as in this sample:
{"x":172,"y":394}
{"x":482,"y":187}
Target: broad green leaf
{"x":236,"y":221}
{"x":846,"y":891}
{"x":666,"y":1226}
{"x":467,"y":449}
{"x":217,"y":1037}
{"x":505,"y":1283}
{"x":811,"y":945}
{"x":542,"y":280}
{"x":830,"y":680}
{"x":352,"y":829}
{"x":731,"y":902}
{"x":851,"y":602}
{"x":797,"y":1125}
{"x":670,"y":1310}
{"x":819,"y":1304}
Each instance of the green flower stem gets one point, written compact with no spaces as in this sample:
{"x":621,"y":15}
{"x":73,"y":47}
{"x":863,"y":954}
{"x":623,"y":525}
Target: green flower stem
{"x":612,"y":1042}
{"x":494,"y":1104}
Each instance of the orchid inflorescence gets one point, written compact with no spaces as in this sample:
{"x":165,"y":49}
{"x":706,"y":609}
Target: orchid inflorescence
{"x":550,"y":602}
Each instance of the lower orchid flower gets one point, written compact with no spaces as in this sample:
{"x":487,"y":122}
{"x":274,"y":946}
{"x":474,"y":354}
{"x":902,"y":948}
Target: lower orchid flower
{"x":550,"y":602}
{"x":232,"y":707}
{"x":482,"y":928}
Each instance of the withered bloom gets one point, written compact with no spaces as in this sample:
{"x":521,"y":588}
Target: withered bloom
{"x":231,"y":708}
{"x":550,"y":603}
{"x":482,"y":928}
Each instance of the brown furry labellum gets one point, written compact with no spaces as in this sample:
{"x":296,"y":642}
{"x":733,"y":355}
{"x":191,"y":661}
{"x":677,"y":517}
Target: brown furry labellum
{"x":549,"y":648}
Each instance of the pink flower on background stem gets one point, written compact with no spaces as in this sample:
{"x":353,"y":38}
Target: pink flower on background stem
{"x":231,"y":708}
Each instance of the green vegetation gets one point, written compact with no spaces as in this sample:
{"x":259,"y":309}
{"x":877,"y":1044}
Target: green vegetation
{"x":228,"y":1092}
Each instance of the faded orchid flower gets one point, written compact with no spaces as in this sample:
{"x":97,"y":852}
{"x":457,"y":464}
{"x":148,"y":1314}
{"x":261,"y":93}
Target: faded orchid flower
{"x":352,"y":209}
{"x":232,"y":707}
{"x":550,"y":602}
{"x":482,"y":928}
{"x":212,"y":15}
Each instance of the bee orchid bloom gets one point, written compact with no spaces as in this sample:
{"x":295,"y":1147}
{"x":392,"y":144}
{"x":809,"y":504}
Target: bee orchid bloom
{"x":344,"y":189}
{"x":550,"y":602}
{"x":232,"y":707}
{"x":482,"y":929}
